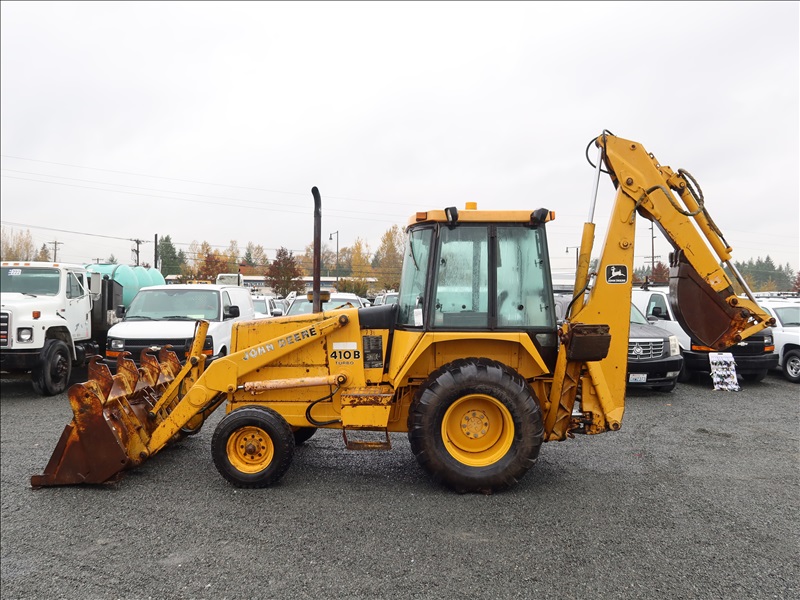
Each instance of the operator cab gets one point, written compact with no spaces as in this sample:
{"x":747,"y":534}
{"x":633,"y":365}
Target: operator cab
{"x":478,"y":271}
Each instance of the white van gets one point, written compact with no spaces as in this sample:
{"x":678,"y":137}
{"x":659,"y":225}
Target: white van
{"x":167,"y":314}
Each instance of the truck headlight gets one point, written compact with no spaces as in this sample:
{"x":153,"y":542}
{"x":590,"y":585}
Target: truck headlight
{"x":674,"y":346}
{"x":25,"y":334}
{"x":117,"y":345}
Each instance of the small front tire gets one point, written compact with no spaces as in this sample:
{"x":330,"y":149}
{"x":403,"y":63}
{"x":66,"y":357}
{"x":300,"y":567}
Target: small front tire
{"x":51,"y":376}
{"x":252,"y":447}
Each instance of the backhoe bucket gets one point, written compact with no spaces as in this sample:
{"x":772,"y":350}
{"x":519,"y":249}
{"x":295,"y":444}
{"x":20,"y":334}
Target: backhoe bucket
{"x":706,"y":315}
{"x":112,"y":421}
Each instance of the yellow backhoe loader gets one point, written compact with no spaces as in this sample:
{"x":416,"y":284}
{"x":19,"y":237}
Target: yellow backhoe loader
{"x":470,"y":362}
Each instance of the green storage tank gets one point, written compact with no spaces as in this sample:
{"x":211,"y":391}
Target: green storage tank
{"x":122,"y":274}
{"x":142,"y":276}
{"x":156,"y":277}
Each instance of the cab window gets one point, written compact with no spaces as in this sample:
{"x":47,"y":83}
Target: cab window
{"x":74,"y":285}
{"x":657,"y":307}
{"x":461,"y":292}
{"x":413,"y":277}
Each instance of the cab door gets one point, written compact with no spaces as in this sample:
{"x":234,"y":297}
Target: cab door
{"x":78,"y":310}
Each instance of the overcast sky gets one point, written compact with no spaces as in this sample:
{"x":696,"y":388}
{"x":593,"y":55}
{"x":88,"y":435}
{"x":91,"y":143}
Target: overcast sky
{"x":212,"y":121}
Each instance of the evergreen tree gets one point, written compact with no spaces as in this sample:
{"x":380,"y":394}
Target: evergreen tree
{"x":44,"y":254}
{"x":172,"y":261}
{"x":284,"y":274}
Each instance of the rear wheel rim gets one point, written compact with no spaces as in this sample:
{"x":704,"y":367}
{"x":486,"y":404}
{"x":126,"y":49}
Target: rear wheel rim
{"x":250,"y":449}
{"x":477,"y":430}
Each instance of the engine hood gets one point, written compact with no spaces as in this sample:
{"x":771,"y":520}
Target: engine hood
{"x":131,"y":330}
{"x":641,"y":331}
{"x":17,"y":301}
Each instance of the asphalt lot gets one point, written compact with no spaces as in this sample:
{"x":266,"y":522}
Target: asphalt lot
{"x":695,"y":497}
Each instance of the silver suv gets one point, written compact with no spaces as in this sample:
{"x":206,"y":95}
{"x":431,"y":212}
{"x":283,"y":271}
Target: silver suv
{"x":654,"y":357}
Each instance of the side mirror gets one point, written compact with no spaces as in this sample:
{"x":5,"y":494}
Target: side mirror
{"x":120,"y":311}
{"x":277,"y":312}
{"x":652,"y":319}
{"x":231,"y":313}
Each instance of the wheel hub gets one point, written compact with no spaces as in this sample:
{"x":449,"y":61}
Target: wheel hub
{"x":475,"y":424}
{"x":250,"y":449}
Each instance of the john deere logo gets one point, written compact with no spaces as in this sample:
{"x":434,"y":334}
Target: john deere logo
{"x":616,"y":274}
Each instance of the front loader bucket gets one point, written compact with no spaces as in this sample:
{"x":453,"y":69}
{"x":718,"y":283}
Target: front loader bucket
{"x":706,"y":315}
{"x":112,"y":420}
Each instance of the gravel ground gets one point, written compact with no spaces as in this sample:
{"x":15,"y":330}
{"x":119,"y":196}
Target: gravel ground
{"x":695,"y":497}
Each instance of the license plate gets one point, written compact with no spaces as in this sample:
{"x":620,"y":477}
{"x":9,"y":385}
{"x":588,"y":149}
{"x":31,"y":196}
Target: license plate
{"x":637,"y":378}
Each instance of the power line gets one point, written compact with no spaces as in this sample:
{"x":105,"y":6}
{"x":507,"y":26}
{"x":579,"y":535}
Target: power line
{"x":335,"y":212}
{"x":240,"y":187}
{"x":64,"y":231}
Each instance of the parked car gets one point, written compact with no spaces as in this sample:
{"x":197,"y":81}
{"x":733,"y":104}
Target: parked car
{"x":167,"y":314}
{"x":391,"y":298}
{"x":267,"y":306}
{"x":303,"y":305}
{"x":786,"y":334}
{"x":754,"y":356}
{"x":654,"y":357}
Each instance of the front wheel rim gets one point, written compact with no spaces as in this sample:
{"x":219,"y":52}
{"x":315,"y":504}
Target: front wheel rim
{"x":250,"y":449}
{"x":793,"y":367}
{"x":477,"y":430}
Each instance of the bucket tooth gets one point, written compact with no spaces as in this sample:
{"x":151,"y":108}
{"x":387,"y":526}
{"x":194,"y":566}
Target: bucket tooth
{"x":127,"y":371}
{"x":169,"y":361}
{"x":99,"y":372}
{"x":150,"y":369}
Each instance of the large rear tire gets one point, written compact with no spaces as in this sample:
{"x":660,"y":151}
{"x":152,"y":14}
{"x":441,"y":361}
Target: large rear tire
{"x":475,"y":426}
{"x":51,"y":377}
{"x":252,"y":447}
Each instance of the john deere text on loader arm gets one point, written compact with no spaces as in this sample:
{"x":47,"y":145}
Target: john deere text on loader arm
{"x":470,"y":362}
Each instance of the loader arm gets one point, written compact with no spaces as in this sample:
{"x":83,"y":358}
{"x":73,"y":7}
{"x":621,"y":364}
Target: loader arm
{"x":121,"y":420}
{"x":700,"y":289}
{"x":224,"y":374}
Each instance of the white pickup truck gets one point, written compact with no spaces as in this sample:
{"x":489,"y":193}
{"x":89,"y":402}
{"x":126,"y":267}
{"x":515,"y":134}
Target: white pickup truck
{"x":167,"y":314}
{"x":754,"y":357}
{"x":786,"y":333}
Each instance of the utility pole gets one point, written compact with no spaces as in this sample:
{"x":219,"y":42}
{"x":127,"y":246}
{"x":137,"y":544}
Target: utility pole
{"x":653,"y":256}
{"x":652,"y":249}
{"x":330,"y":238}
{"x":155,"y":254}
{"x":136,"y":252}
{"x":56,"y":244}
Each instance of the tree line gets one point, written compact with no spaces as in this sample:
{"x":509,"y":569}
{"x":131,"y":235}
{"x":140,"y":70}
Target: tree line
{"x":355,"y":265}
{"x":760,"y":275}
